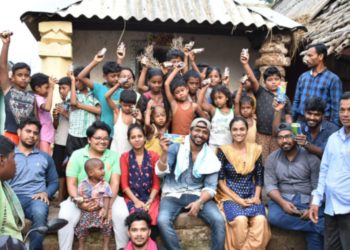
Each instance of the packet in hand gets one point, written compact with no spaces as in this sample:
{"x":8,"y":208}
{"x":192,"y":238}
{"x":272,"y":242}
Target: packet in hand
{"x":281,"y":92}
{"x":243,"y":79}
{"x":71,"y":68}
{"x":102,"y":52}
{"x":144,"y":61}
{"x":198,"y":50}
{"x":180,"y":65}
{"x":189,"y":45}
{"x":121,"y":49}
{"x":206,"y":81}
{"x":226,"y":72}
{"x":6,"y":33}
{"x":174,"y":138}
{"x":167,"y":64}
{"x":296,"y":129}
{"x":123,"y":80}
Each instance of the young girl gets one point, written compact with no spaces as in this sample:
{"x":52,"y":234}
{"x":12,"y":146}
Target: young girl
{"x":124,"y":116}
{"x":214,"y":74}
{"x":156,"y":124}
{"x":96,"y":188}
{"x":221,"y":112}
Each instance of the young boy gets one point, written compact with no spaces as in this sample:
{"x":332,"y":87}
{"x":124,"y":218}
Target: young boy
{"x":193,"y":81}
{"x":19,"y":103}
{"x":182,"y":109}
{"x":264,"y":109}
{"x":43,"y":87}
{"x":61,"y":124}
{"x":84,"y":108}
{"x":111,"y":72}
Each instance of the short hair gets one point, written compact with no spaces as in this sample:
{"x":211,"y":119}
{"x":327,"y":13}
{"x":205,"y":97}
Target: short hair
{"x":91,"y":130}
{"x":154,"y":72}
{"x":174,"y":53}
{"x":246,"y":99}
{"x":191,"y":73}
{"x":222,"y":89}
{"x":239,"y":119}
{"x":130,"y":70}
{"x":211,"y":69}
{"x":6,"y":146}
{"x":38,"y":80}
{"x":29,"y":121}
{"x":345,"y":96}
{"x":138,"y":216}
{"x":177,"y":82}
{"x":320,"y":49}
{"x":128,"y":96}
{"x":111,"y":67}
{"x":91,"y":163}
{"x":270,"y":71}
{"x":20,"y":65}
{"x":135,"y":126}
{"x":65,"y":81}
{"x":79,"y":69}
{"x":315,"y":104}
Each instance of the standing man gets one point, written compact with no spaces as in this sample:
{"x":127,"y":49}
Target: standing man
{"x":320,"y":82}
{"x":190,"y":176}
{"x":334,"y":182}
{"x":291,"y":173}
{"x":36,"y":179}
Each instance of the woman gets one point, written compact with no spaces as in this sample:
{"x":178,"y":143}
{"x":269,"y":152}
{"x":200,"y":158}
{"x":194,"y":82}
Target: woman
{"x":140,"y":184}
{"x":239,"y":191}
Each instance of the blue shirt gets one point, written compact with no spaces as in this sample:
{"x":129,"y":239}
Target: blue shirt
{"x":99,"y":91}
{"x":326,"y":85}
{"x":326,"y":129}
{"x":187,"y":183}
{"x":35,"y":173}
{"x":334,"y":178}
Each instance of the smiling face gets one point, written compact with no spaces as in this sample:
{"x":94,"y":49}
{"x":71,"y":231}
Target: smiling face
{"x":285,"y":140}
{"x":215,"y":78}
{"x":137,"y":139}
{"x":155,"y":84}
{"x":99,"y":141}
{"x":199,"y":134}
{"x":239,"y":131}
{"x":125,"y":73}
{"x":313,"y":118}
{"x":139,"y":233}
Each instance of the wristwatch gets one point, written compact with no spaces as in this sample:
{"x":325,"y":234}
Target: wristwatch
{"x":306,"y":144}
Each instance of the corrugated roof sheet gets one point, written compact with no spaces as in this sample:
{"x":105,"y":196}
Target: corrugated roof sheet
{"x":212,"y":11}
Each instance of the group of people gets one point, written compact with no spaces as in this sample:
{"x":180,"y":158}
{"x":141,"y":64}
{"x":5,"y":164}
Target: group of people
{"x":130,"y":157}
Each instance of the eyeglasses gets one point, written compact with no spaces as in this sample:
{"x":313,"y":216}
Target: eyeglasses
{"x":98,"y":138}
{"x":284,"y":137}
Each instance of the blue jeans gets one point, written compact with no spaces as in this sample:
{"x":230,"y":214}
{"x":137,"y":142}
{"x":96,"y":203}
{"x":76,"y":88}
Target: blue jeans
{"x":313,"y":232}
{"x":170,"y":207}
{"x":36,"y":211}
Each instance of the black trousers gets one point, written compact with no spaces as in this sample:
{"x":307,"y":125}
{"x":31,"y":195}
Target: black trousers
{"x":337,"y":232}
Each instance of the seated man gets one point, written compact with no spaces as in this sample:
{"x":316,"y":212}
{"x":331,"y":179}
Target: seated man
{"x":291,"y":173}
{"x":139,"y":231}
{"x":190,"y":176}
{"x":36,"y":179}
{"x":315,"y":128}
{"x":11,"y":216}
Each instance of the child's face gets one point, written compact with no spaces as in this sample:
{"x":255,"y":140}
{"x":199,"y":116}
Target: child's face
{"x":247,"y":85}
{"x":137,"y":139}
{"x":42,"y":90}
{"x":21,"y":78}
{"x":246,"y":110}
{"x":181,"y":94}
{"x":127,"y":74}
{"x":97,"y":172}
{"x":127,"y":107}
{"x":79,"y":85}
{"x":193,"y":85}
{"x":112,"y":78}
{"x":272,"y":82}
{"x":215,"y":78}
{"x":175,"y":60}
{"x":63,"y":90}
{"x":220,"y":99}
{"x":155,"y":84}
{"x":159,"y":116}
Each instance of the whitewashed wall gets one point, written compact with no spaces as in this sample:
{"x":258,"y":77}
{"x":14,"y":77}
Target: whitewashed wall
{"x":220,"y":51}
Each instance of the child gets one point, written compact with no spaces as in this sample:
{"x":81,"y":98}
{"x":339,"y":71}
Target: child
{"x":84,"y":108}
{"x":182,"y":109}
{"x":193,"y":81}
{"x":156,"y":124}
{"x":123,"y":117}
{"x":19,"y":103}
{"x":214,"y":74}
{"x":111,"y":72}
{"x":264,"y":109}
{"x":221,"y":113}
{"x":94,"y":187}
{"x":43,"y":87}
{"x":61,"y":124}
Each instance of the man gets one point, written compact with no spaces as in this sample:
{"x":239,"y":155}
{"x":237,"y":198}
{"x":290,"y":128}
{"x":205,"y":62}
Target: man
{"x":36,"y":179}
{"x":139,"y":231}
{"x":320,"y":82}
{"x":291,"y":174}
{"x":190,"y":176}
{"x":334,"y":182}
{"x":11,"y":213}
{"x":315,"y":130}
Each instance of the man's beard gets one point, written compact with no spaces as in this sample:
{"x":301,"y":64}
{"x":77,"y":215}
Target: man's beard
{"x":26,"y":145}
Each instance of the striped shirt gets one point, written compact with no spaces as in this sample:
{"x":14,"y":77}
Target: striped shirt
{"x":326,"y":85}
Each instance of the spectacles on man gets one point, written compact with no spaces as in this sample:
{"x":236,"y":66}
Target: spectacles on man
{"x":284,"y":137}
